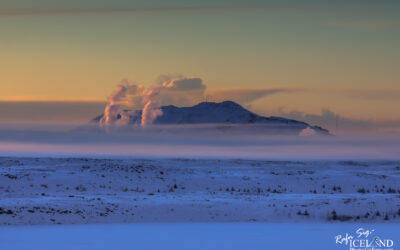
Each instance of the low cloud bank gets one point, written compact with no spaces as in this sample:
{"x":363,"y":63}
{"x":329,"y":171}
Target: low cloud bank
{"x":328,"y":119}
{"x":337,"y":123}
{"x":39,"y":111}
{"x":194,"y":142}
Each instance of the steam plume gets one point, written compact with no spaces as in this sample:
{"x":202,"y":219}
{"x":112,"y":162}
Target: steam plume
{"x":132,"y":96}
{"x":114,"y":106}
{"x":125,"y":94}
{"x":150,"y":112}
{"x":307,"y":132}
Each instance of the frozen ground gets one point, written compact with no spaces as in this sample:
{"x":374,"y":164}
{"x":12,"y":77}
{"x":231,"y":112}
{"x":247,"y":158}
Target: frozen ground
{"x":210,"y":236}
{"x":43,"y":191}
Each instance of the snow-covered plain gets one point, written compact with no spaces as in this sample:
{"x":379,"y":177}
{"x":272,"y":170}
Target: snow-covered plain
{"x":210,"y":236}
{"x":194,"y":203}
{"x":43,"y":191}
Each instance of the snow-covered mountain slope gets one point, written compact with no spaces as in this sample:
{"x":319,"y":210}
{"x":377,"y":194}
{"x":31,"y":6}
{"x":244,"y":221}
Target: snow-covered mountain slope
{"x":227,"y":112}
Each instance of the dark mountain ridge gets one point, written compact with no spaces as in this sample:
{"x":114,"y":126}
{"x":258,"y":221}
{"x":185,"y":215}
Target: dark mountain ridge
{"x":223,"y":113}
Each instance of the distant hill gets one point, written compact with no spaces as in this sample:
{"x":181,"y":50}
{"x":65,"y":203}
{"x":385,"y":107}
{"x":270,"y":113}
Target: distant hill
{"x":223,"y":113}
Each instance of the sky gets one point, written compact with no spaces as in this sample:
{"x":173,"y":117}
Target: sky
{"x":60,"y":60}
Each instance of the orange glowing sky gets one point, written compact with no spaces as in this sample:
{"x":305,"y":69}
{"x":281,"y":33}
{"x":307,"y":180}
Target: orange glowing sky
{"x":343,"y":57}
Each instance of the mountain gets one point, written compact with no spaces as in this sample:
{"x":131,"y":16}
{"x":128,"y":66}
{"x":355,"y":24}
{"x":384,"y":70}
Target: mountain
{"x":224,"y":113}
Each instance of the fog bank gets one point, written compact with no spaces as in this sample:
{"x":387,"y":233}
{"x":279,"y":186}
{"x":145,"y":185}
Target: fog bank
{"x":191,"y":141}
